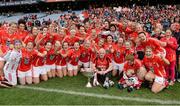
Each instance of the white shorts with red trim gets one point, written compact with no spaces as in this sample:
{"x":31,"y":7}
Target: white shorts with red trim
{"x":50,"y":67}
{"x":40,"y":70}
{"x":85,"y":64}
{"x":72,"y":67}
{"x":22,"y":74}
{"x":160,"y":80}
{"x":59,"y":67}
{"x":117,"y":66}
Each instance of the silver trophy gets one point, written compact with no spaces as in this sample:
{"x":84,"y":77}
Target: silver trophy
{"x":89,"y":74}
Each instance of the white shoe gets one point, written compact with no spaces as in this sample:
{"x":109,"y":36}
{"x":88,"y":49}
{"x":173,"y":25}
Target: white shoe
{"x":111,"y":83}
{"x":106,"y":84}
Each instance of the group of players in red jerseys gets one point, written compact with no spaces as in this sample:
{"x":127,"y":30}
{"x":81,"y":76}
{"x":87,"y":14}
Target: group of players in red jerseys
{"x":51,"y":51}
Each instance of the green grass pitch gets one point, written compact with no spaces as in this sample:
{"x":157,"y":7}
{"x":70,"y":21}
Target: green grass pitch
{"x":20,"y":96}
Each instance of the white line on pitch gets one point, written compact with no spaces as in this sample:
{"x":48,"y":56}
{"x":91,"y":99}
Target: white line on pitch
{"x":101,"y":95}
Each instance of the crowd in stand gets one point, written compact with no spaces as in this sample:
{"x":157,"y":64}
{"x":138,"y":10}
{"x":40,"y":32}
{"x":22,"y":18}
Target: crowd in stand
{"x":138,"y":45}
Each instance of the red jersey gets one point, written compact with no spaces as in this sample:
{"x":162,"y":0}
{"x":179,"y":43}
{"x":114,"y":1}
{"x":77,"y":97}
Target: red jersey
{"x":155,"y":64}
{"x":52,"y":38}
{"x":85,"y":54}
{"x":26,"y":60}
{"x":95,"y":51}
{"x":128,"y":31}
{"x":119,"y":54}
{"x":39,"y":61}
{"x":120,"y":27}
{"x":29,"y":38}
{"x":71,"y":40}
{"x":4,"y":49}
{"x":96,"y":40}
{"x":85,"y":35}
{"x":43,"y":38}
{"x":60,"y":37}
{"x":7,"y":39}
{"x":64,"y":60}
{"x":58,"y":59}
{"x":108,"y":48}
{"x":133,"y":36}
{"x":135,"y":66}
{"x":129,"y":51}
{"x":74,"y":57}
{"x":22,"y":34}
{"x":50,"y":57}
{"x":154,"y":44}
{"x":82,"y":37}
{"x":170,"y":48}
{"x":102,"y":64}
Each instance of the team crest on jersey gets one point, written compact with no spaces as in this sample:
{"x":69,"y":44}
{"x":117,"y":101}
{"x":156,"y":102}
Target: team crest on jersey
{"x":107,"y":51}
{"x":8,"y":43}
{"x":83,"y":54}
{"x":118,"y":54}
{"x":76,"y":60}
{"x":52,"y":57}
{"x":26,"y":60}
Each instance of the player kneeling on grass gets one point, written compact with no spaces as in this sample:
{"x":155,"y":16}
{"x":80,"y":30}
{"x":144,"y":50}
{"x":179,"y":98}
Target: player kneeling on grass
{"x":102,"y":67}
{"x":74,"y":55}
{"x":50,"y":60}
{"x":25,"y":65}
{"x":62,"y":60}
{"x":118,"y":57}
{"x":130,"y":78}
{"x":38,"y":65}
{"x":86,"y":52}
{"x":155,"y":66}
{"x":12,"y":59}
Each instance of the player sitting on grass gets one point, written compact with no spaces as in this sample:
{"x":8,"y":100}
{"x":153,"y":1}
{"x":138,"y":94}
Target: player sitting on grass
{"x":130,"y":78}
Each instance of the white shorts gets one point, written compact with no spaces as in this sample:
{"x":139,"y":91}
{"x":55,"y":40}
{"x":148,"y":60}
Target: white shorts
{"x":117,"y":66}
{"x":2,"y":59}
{"x":85,"y":64}
{"x":50,"y":67}
{"x":72,"y":67}
{"x":59,"y":67}
{"x":40,"y":70}
{"x":24,"y":74}
{"x":160,"y":80}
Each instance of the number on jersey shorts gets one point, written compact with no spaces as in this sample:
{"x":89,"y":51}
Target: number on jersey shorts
{"x":85,"y":64}
{"x":50,"y":67}
{"x":72,"y":67}
{"x":22,"y":74}
{"x":117,"y":66}
{"x":160,"y":80}
{"x":37,"y":71}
